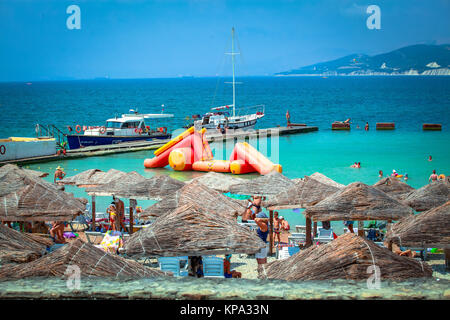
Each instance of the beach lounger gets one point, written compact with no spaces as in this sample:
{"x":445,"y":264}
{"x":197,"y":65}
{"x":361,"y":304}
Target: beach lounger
{"x":324,"y":236}
{"x":172,"y":264}
{"x":213,"y":267}
{"x":286,"y":251}
{"x":297,"y":238}
{"x":300,"y":229}
{"x":56,"y":246}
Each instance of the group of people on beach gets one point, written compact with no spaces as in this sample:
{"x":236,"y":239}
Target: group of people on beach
{"x":254,"y":212}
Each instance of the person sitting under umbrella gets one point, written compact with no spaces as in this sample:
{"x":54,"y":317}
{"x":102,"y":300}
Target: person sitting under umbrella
{"x":228,"y":273}
{"x":57,"y":232}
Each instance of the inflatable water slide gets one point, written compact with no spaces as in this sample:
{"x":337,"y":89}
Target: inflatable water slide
{"x":191,"y":151}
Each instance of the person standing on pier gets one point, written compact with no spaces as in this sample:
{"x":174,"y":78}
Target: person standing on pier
{"x":367,"y":126}
{"x":288,"y":119}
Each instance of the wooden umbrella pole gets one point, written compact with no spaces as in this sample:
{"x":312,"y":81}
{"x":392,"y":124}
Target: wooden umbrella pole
{"x":271,"y":231}
{"x":308,"y":232}
{"x":361,"y":229}
{"x":93,"y":213}
{"x":132,"y":207}
{"x":315,"y":228}
{"x":447,"y":258}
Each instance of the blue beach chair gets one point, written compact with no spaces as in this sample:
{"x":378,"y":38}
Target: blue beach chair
{"x":213,"y":267}
{"x":172,"y":264}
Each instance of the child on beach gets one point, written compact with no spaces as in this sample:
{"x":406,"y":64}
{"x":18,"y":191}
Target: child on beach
{"x":276,"y":227}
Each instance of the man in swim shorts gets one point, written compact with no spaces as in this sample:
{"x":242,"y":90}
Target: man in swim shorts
{"x":263,"y":230}
{"x":276,"y":226}
{"x":59,"y":174}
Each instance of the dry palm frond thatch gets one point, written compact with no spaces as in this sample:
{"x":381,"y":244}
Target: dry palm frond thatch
{"x":199,"y":194}
{"x":18,"y":247}
{"x":92,"y":262}
{"x":93,"y":177}
{"x":194,"y":231}
{"x":219,"y":181}
{"x":428,"y":229}
{"x":133,"y":185}
{"x":25,"y":196}
{"x":347,"y":257}
{"x":429,"y":196}
{"x":393,"y":187}
{"x":303,"y":193}
{"x":325,"y":180}
{"x":39,"y":174}
{"x":358,"y":201}
{"x":267,"y":185}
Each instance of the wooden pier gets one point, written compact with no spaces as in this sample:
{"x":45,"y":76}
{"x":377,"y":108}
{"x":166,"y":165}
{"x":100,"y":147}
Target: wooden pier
{"x":135,"y":146}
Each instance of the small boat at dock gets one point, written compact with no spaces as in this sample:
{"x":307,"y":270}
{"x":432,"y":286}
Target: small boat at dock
{"x":128,"y":127}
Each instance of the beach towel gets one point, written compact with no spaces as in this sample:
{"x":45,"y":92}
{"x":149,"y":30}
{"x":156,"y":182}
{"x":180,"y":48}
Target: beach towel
{"x":111,"y":241}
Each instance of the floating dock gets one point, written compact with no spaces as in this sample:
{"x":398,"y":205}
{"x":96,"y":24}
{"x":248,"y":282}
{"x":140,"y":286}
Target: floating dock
{"x":432,"y":126}
{"x":385,"y":126}
{"x":103,"y":150}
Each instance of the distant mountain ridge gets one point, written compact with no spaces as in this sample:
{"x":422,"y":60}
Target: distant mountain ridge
{"x":411,"y":60}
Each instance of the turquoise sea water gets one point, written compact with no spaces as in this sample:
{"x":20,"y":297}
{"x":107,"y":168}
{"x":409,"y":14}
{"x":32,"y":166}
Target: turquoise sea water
{"x":407,"y":101}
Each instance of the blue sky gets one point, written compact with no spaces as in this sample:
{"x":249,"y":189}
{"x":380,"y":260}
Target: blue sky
{"x":169,"y":38}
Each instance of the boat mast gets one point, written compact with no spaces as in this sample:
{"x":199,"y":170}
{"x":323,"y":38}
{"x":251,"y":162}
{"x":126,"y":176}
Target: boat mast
{"x":232,"y":59}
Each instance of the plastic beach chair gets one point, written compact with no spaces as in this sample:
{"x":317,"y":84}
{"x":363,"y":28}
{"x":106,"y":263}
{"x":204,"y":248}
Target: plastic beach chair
{"x":172,"y":264}
{"x":324,"y":235}
{"x":213,"y":267}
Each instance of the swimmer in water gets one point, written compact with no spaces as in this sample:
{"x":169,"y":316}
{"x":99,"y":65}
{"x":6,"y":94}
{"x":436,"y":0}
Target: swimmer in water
{"x":380,"y":174}
{"x":405,"y":177}
{"x":355,"y":165}
{"x":430,"y":159}
{"x":433,"y":177}
{"x":394,"y":173}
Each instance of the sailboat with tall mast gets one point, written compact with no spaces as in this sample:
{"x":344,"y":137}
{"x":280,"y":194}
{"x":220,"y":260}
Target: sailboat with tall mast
{"x":220,"y":117}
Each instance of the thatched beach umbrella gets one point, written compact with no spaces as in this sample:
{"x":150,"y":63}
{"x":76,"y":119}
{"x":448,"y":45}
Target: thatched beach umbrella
{"x":303,"y":193}
{"x":26,"y":197}
{"x":92,"y":262}
{"x":393,"y":187}
{"x":267,"y":185}
{"x":325,"y":180}
{"x":430,"y":229}
{"x":18,"y":247}
{"x":135,"y":186}
{"x":39,"y":174}
{"x":93,"y":177}
{"x":219,"y":181}
{"x":429,"y":196}
{"x":193,"y":230}
{"x":360,"y":202}
{"x":199,"y":194}
{"x":347,"y":257}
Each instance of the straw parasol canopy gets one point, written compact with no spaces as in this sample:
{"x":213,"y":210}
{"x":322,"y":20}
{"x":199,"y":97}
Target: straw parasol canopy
{"x":347,"y":257}
{"x":93,"y":177}
{"x":303,"y":193}
{"x":325,"y":180}
{"x":193,"y":230}
{"x":92,"y":262}
{"x":428,"y":197}
{"x":219,"y":181}
{"x":133,"y":185}
{"x":393,"y":187}
{"x":267,"y":185}
{"x":26,"y":197}
{"x":428,"y":229}
{"x":18,"y":247}
{"x":199,"y":194}
{"x":358,"y":201}
{"x":40,"y":174}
